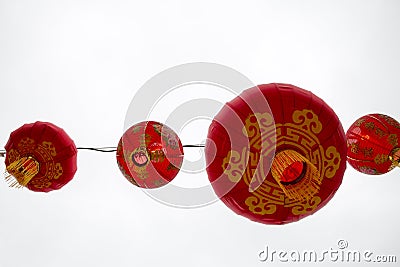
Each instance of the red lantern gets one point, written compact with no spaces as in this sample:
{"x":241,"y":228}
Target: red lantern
{"x":295,"y":149}
{"x":41,"y":157}
{"x":149,"y":154}
{"x":373,"y":144}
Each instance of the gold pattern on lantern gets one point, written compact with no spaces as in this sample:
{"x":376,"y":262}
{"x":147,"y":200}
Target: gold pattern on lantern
{"x":380,"y":158}
{"x":392,"y":139}
{"x":300,"y":134}
{"x":43,"y":153}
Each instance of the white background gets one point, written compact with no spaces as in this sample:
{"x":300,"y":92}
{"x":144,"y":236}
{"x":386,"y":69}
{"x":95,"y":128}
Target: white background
{"x":78,"y":64}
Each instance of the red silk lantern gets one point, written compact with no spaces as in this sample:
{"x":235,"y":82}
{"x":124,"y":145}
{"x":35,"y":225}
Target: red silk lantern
{"x":373,"y":144}
{"x":295,"y":149}
{"x":149,"y":154}
{"x":41,"y":157}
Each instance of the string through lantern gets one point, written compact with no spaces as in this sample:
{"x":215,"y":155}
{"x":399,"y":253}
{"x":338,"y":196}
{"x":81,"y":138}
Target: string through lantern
{"x":114,"y":149}
{"x":306,"y":169}
{"x":27,"y":166}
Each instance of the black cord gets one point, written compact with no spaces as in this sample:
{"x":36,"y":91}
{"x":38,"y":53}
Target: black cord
{"x":99,"y":149}
{"x":198,"y":145}
{"x":114,"y":149}
{"x":103,"y":149}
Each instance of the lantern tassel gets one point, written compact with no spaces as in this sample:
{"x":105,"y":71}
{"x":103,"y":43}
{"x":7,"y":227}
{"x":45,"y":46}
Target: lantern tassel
{"x":298,"y":178}
{"x":395,"y":158}
{"x":20,"y":172}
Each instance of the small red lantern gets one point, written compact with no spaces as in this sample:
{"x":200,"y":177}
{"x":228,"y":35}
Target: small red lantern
{"x":373,"y":144}
{"x":149,"y":154}
{"x":296,"y":147}
{"x":40,"y":156}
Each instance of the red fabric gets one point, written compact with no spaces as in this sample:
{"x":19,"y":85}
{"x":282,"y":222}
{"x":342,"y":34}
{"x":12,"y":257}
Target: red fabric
{"x":370,"y":140}
{"x":149,"y":154}
{"x":51,"y":147}
{"x":303,"y":122}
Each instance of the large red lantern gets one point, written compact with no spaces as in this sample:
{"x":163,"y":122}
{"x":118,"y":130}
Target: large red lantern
{"x":149,"y":154}
{"x":373,"y":144}
{"x":41,"y":157}
{"x":294,"y":151}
